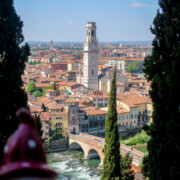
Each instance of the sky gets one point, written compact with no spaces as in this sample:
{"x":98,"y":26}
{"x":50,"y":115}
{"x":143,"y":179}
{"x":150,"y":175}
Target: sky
{"x":65,"y":20}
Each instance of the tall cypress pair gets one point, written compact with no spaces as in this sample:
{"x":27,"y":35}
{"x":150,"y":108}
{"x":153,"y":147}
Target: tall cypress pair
{"x":162,"y":68}
{"x":12,"y":63}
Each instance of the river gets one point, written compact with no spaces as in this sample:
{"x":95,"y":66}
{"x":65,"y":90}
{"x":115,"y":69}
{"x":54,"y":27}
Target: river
{"x":70,"y":165}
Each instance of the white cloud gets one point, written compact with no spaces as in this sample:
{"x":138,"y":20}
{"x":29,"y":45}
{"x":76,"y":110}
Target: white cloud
{"x":136,"y":4}
{"x":70,"y":23}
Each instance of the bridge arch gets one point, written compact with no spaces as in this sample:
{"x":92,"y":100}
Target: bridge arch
{"x":93,"y":154}
{"x":76,"y":146}
{"x":92,"y":144}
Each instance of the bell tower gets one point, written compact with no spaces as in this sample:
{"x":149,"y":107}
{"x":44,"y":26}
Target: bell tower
{"x":90,"y":57}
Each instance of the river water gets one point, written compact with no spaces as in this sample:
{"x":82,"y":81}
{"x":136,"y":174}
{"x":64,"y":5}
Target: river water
{"x":70,"y":165}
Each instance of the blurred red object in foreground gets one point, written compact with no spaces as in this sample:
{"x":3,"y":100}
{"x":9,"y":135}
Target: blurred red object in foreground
{"x":24,"y":156}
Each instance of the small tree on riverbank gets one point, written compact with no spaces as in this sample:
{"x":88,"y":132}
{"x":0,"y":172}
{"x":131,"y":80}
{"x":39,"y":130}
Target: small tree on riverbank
{"x":162,"y":68}
{"x":125,"y":166}
{"x":111,"y":164}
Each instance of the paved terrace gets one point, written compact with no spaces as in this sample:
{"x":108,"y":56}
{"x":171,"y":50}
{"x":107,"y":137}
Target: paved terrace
{"x":93,"y":144}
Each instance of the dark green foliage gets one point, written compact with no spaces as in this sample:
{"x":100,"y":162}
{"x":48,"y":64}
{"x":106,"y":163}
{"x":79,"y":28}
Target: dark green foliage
{"x":44,"y":91}
{"x":12,"y":64}
{"x":39,"y":89}
{"x":31,"y":87}
{"x":54,"y":86}
{"x":125,"y":165}
{"x":133,"y":67}
{"x":139,"y":138}
{"x":144,"y":165}
{"x":163,"y":69}
{"x":38,"y":125}
{"x":37,"y":94}
{"x":111,"y":165}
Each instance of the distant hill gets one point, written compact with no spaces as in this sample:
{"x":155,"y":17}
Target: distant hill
{"x":100,"y":42}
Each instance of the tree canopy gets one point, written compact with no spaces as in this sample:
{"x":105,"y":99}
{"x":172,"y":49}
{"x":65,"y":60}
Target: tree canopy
{"x":31,"y":87}
{"x":125,"y":165}
{"x":111,"y":164}
{"x":37,"y":94}
{"x":162,"y":68}
{"x":13,"y":56}
{"x":133,"y":67}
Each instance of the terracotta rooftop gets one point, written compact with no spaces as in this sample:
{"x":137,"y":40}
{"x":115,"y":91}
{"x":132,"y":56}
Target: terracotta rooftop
{"x":50,"y":90}
{"x":58,"y":113}
{"x":35,"y":109}
{"x":95,"y":112}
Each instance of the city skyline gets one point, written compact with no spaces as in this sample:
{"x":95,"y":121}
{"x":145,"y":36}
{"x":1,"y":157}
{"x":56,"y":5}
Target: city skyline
{"x":66,"y":20}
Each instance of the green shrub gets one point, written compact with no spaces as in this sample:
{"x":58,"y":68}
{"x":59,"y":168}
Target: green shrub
{"x":37,"y":94}
{"x":139,"y":138}
{"x":31,"y":87}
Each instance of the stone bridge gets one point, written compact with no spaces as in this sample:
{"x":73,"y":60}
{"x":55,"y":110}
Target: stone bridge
{"x":93,"y":147}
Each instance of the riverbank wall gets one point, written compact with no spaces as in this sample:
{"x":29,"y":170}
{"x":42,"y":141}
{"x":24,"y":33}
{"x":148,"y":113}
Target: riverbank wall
{"x":56,"y":145}
{"x":126,"y":132}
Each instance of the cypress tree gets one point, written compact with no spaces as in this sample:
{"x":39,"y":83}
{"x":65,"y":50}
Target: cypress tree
{"x":38,"y":125}
{"x":111,"y":164}
{"x":12,"y":63}
{"x":54,"y":86}
{"x":162,"y":68}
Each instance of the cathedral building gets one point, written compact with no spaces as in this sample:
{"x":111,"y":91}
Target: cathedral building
{"x":91,"y":78}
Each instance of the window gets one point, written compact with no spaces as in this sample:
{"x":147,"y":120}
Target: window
{"x":127,"y":117}
{"x":92,"y":33}
{"x":119,"y":117}
{"x":123,"y":117}
{"x":135,"y":115}
{"x":92,"y":72}
{"x":131,"y":116}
